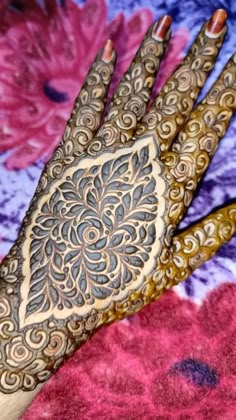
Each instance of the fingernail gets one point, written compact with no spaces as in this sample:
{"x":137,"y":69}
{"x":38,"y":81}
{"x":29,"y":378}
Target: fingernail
{"x":217,"y":22}
{"x":107,"y":51}
{"x":161,"y":28}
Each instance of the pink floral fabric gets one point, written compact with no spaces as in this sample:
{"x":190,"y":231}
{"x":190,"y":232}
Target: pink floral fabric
{"x":172,"y":361}
{"x":45,"y":56}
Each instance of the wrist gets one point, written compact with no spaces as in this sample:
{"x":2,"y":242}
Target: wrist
{"x":30,"y":355}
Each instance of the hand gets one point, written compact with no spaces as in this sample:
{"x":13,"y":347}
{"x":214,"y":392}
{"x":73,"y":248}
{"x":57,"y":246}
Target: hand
{"x":98,"y":242}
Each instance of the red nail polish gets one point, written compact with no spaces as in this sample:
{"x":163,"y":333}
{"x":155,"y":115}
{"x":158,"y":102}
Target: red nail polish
{"x":161,"y":28}
{"x":217,"y":22}
{"x":107,"y":51}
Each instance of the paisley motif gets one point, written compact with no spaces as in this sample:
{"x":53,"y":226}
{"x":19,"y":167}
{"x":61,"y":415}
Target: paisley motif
{"x":96,"y":235}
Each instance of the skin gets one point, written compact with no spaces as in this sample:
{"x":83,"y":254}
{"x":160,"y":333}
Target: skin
{"x":98,"y":241}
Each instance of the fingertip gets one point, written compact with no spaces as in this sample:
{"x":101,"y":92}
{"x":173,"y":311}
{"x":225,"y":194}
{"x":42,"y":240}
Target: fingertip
{"x":107,"y":51}
{"x":161,"y":28}
{"x":216,"y":23}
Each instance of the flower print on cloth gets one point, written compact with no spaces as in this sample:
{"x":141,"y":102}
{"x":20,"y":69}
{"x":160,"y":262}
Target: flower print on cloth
{"x":55,"y":46}
{"x":173,"y":360}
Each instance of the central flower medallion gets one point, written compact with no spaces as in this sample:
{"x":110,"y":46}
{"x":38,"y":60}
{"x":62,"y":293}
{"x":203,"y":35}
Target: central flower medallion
{"x":95,"y":235}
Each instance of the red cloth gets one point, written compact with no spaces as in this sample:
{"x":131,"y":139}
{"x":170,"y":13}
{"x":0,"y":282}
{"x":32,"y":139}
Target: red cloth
{"x":172,"y":361}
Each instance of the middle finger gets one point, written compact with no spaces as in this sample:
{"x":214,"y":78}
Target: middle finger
{"x":173,"y":105}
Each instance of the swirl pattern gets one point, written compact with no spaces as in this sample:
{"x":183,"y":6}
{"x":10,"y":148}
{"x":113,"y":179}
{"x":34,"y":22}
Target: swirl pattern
{"x":95,"y":236}
{"x":176,"y":99}
{"x":98,"y":243}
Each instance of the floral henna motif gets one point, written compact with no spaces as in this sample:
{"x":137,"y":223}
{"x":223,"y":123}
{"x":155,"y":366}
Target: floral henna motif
{"x":198,"y":141}
{"x":199,"y":243}
{"x":128,"y":104}
{"x":97,"y":236}
{"x":98,"y":243}
{"x":86,"y":114}
{"x":170,"y":109}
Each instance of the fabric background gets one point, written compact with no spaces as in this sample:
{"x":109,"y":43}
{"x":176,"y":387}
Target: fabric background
{"x":176,"y":359}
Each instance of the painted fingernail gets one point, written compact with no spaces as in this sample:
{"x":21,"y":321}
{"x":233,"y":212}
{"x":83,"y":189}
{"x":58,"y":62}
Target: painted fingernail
{"x":161,"y":28}
{"x":107,"y":51}
{"x":217,"y":22}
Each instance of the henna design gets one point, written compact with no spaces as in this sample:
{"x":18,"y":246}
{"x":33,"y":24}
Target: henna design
{"x":128,"y":104}
{"x":176,"y":99}
{"x":98,"y":233}
{"x":199,"y":243}
{"x":97,"y":242}
{"x":86,"y":115}
{"x":198,"y":141}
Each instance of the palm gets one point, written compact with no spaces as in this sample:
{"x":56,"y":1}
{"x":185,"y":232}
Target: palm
{"x":100,"y":233}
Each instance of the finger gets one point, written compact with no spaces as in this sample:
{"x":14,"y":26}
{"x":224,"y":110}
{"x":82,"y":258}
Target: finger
{"x":128,"y":104}
{"x":199,"y":139}
{"x":199,"y":243}
{"x":89,"y":104}
{"x":176,"y":99}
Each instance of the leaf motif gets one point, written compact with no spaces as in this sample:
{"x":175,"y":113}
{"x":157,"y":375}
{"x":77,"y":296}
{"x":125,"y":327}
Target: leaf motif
{"x":99,"y":244}
{"x":83,"y":183}
{"x":126,"y":201}
{"x":101,"y":292}
{"x":70,"y":256}
{"x":83,"y":282}
{"x":119,"y":213}
{"x":135,"y":162}
{"x":91,"y":200}
{"x":95,"y":234}
{"x":100,"y":279}
{"x":70,"y":196}
{"x":67,"y":186}
{"x":39,"y":232}
{"x":130,"y":249}
{"x":58,"y":206}
{"x":118,"y":186}
{"x":134,"y":260}
{"x":118,"y":162}
{"x":122,"y":169}
{"x":57,"y":259}
{"x":77,"y":175}
{"x":145,"y":171}
{"x":107,"y":222}
{"x":49,"y":248}
{"x":117,"y":239}
{"x":54,"y":198}
{"x":106,"y":170}
{"x":74,"y":210}
{"x":49,"y":223}
{"x":144,"y":155}
{"x":75,"y":269}
{"x":127,"y":276}
{"x":150,"y":199}
{"x":111,"y":199}
{"x":137,"y":194}
{"x":98,"y":183}
{"x":73,"y":237}
{"x":149,"y":187}
{"x":144,"y":216}
{"x":35,"y":304}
